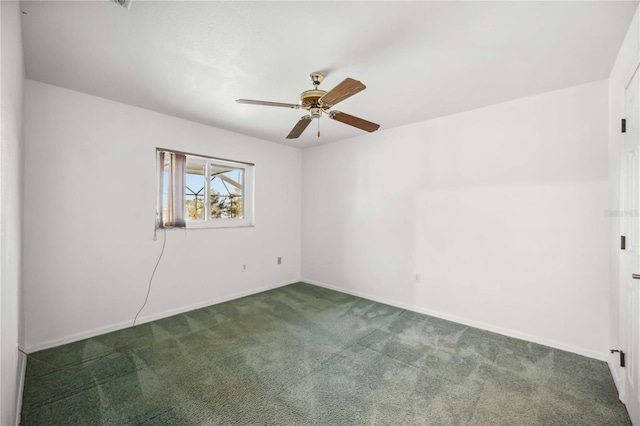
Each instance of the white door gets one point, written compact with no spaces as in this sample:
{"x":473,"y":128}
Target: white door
{"x":630,"y":257}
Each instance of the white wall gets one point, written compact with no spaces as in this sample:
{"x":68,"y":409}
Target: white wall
{"x":500,"y":210}
{"x":10,"y":208}
{"x":87,"y":264}
{"x":626,"y":63}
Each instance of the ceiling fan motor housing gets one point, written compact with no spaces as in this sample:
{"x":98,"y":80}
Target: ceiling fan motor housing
{"x":309,"y":98}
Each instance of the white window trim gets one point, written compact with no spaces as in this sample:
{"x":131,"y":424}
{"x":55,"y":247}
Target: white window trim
{"x":248,"y":193}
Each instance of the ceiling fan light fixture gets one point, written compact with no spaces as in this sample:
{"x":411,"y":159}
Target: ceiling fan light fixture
{"x":315,"y":112}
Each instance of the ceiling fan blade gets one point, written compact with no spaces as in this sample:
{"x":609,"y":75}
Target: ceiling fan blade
{"x":342,"y":91}
{"x":266,"y":103}
{"x":299,"y":127}
{"x":365,"y":125}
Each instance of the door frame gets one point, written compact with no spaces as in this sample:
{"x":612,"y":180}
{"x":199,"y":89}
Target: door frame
{"x":624,"y":215}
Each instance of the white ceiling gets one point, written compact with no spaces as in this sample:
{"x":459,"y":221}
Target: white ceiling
{"x":419,"y":60}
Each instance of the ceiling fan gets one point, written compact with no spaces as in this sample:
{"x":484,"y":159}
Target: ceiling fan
{"x":317,"y":101}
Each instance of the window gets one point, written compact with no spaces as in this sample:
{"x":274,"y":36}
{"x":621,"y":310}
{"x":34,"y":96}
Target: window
{"x":195,"y":191}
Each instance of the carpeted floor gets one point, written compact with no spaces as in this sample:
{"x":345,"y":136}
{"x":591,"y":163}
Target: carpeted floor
{"x":303,"y":355}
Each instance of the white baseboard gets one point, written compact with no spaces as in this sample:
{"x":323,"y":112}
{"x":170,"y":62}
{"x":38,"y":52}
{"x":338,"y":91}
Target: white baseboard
{"x":22,"y":365}
{"x":461,"y":320}
{"x":467,"y":321}
{"x":145,"y":319}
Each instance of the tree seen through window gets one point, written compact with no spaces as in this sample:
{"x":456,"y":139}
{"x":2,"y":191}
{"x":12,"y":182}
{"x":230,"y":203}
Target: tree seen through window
{"x":225,"y":189}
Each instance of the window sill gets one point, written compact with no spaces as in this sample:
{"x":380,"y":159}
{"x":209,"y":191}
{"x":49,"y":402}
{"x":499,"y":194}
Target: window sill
{"x":221,"y":223}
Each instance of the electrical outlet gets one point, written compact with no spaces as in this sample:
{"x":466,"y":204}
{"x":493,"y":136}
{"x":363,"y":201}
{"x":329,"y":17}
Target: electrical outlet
{"x":244,"y":268}
{"x":279,"y":261}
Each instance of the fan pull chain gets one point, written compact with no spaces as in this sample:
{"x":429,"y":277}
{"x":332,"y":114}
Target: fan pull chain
{"x":318,"y":126}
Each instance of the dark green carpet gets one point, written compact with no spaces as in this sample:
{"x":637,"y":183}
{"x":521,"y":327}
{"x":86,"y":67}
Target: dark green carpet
{"x":301,"y":355}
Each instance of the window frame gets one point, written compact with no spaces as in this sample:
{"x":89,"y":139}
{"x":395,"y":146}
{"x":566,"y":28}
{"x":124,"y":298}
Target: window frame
{"x":248,"y":192}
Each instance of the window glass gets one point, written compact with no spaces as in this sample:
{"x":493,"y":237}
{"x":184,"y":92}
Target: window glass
{"x":226,"y":187}
{"x":194,"y":190}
